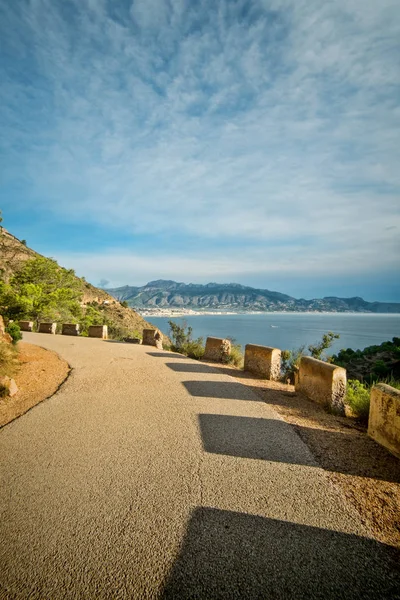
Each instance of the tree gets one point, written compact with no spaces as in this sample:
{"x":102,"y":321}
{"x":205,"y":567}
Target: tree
{"x":317,"y":349}
{"x":42,"y":290}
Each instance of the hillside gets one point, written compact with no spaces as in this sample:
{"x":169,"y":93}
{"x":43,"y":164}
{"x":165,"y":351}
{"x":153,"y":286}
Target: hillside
{"x":163,"y":294}
{"x":122,"y":321}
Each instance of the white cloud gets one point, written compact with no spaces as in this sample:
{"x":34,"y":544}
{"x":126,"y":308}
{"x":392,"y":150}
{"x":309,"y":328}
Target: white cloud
{"x":272,"y":121}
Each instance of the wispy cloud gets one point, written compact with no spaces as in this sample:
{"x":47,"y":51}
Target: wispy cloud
{"x":259,"y":122}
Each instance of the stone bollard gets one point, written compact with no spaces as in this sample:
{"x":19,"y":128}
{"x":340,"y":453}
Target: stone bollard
{"x":153,"y":337}
{"x":70,"y":329}
{"x":98,"y":331}
{"x":217,"y":349}
{"x":26,"y":325}
{"x":8,"y":385}
{"x":47,"y":328}
{"x":322,"y":382}
{"x":263,"y":361}
{"x":384,"y":417}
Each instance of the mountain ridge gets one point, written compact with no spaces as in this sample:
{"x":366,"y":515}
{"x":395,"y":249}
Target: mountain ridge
{"x":237,"y":297}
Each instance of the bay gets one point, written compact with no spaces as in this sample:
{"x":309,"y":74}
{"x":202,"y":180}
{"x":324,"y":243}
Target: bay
{"x":291,"y":330}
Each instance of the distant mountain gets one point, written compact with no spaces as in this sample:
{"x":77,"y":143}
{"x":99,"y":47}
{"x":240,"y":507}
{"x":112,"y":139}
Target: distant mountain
{"x":236,"y":297}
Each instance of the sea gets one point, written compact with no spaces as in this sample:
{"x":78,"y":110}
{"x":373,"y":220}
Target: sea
{"x":291,"y":330}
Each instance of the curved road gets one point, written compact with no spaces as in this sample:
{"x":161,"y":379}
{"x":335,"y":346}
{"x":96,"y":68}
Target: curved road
{"x":149,"y":475}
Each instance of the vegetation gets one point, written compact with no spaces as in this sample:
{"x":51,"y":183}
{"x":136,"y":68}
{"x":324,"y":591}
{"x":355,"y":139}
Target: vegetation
{"x":14,"y":330}
{"x":236,"y":357}
{"x":181,"y":338}
{"x":290,"y":362}
{"x":317,"y":350}
{"x":374,"y":363}
{"x":291,"y":358}
{"x":358,"y":398}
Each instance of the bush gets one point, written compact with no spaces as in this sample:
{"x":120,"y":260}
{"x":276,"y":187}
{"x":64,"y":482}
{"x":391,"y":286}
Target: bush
{"x":236,"y":357}
{"x":290,"y":361}
{"x":194,"y":348}
{"x":181,"y":338}
{"x":14,"y":330}
{"x":358,"y":398}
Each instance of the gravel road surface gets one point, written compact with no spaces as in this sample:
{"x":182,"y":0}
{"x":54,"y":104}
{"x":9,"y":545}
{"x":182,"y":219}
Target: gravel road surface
{"x":148,"y":475}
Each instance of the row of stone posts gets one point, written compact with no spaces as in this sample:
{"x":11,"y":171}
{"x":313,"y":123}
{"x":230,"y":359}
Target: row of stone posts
{"x":323,"y":383}
{"x":319,"y":381}
{"x":96,"y":331}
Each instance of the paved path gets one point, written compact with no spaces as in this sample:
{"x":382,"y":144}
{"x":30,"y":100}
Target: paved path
{"x":149,"y":475}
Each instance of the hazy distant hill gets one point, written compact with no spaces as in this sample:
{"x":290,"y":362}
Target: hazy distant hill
{"x":236,"y":297}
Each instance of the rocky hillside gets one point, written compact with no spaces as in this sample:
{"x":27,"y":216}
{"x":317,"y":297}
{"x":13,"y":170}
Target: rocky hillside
{"x":236,"y":297}
{"x":123,"y":320}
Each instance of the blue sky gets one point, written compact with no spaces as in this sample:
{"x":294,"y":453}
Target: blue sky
{"x":215,"y":140}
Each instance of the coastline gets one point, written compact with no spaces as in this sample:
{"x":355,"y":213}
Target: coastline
{"x":182,"y":312}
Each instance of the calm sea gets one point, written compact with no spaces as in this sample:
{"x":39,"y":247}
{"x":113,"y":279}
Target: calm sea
{"x":291,"y":330}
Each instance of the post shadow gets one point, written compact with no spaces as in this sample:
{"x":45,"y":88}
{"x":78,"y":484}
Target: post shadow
{"x":273,"y":440}
{"x":230,"y":390}
{"x":231,"y":555}
{"x":192,"y":367}
{"x":249,"y":437}
{"x":166,"y":355}
{"x":348,"y":454}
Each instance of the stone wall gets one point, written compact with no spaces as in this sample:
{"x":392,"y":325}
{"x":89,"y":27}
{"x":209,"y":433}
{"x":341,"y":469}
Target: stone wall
{"x":217,"y":349}
{"x":384,"y":417}
{"x":70,"y":329}
{"x":263,"y":361}
{"x":152,"y":337}
{"x":47,"y":328}
{"x":98,"y":331}
{"x":26,"y":325}
{"x":322,"y":382}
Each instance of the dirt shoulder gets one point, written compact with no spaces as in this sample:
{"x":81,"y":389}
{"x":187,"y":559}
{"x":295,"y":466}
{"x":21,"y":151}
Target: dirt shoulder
{"x":38,"y":376}
{"x":367,"y":474}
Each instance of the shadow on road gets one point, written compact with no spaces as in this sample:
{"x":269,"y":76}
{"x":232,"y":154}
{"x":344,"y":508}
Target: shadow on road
{"x":350,"y":455}
{"x":220,"y":389}
{"x":233,"y":555}
{"x":248,"y":437}
{"x":192,"y":367}
{"x":166,"y":355}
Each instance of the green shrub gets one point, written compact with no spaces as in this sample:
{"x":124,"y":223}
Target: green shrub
{"x":236,"y":356}
{"x":290,"y":361}
{"x":14,"y":330}
{"x":193,"y":348}
{"x":181,"y":338}
{"x":380,"y":369}
{"x":358,"y":398}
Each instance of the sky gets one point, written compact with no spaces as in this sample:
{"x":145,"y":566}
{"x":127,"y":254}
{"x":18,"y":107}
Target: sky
{"x":241,"y":141}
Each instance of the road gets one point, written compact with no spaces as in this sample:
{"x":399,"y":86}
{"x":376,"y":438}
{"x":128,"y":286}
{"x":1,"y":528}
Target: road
{"x":149,"y":475}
